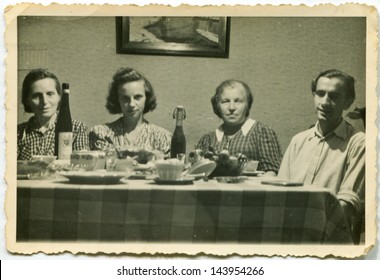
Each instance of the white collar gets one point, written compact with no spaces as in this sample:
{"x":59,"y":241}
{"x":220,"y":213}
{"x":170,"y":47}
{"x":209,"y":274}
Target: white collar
{"x":246,"y":127}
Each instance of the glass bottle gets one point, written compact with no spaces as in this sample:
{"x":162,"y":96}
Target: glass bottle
{"x":64,"y":127}
{"x":178,"y":143}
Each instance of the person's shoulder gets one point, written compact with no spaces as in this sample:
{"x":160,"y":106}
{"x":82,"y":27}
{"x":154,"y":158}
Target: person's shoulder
{"x":259,"y":128}
{"x":157,"y":129}
{"x":106,"y":126}
{"x":356,"y":136}
{"x":78,"y":122}
{"x":24,"y":125}
{"x":208,"y":134}
{"x":303,"y":135}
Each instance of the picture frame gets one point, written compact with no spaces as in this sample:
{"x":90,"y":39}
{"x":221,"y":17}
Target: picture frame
{"x":173,"y":36}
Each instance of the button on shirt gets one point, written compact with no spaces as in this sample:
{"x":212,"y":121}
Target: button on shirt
{"x":335,"y":161}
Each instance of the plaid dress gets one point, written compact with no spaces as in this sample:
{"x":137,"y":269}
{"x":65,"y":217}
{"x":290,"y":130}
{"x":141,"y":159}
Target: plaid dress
{"x":255,"y":140}
{"x":150,"y":137}
{"x":31,"y":140}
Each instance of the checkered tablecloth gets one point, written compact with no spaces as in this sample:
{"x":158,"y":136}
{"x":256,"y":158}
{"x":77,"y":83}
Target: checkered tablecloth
{"x":204,"y":212}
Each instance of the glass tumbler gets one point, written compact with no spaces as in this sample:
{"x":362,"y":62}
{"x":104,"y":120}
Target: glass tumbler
{"x":111,"y":157}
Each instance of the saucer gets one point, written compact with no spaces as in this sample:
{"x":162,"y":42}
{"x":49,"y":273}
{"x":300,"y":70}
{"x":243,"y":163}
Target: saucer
{"x":253,"y":173}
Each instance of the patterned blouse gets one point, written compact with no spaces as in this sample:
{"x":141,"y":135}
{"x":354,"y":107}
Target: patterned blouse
{"x":255,"y":140}
{"x":32,"y":140}
{"x":150,"y":137}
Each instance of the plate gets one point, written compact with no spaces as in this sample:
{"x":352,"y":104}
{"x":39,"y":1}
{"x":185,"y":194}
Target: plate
{"x":94,"y":177}
{"x":181,"y":181}
{"x":204,"y":166}
{"x":253,"y":173}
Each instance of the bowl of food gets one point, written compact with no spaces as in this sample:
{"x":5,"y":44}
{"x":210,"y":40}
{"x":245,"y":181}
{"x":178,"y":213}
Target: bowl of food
{"x":29,"y":167}
{"x":140,"y":155}
{"x":170,"y":169}
{"x":229,"y":165}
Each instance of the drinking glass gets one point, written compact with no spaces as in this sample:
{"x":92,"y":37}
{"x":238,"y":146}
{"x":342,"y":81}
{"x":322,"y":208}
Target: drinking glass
{"x":111,"y":157}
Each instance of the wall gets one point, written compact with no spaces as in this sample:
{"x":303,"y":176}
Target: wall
{"x":277,"y":57}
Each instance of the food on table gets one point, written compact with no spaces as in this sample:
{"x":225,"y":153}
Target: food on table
{"x":226,"y":164}
{"x":140,"y":155}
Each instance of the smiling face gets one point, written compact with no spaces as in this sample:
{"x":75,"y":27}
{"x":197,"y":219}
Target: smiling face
{"x":233,"y":105}
{"x":330,"y":100}
{"x":132,"y":100}
{"x":43,"y":99}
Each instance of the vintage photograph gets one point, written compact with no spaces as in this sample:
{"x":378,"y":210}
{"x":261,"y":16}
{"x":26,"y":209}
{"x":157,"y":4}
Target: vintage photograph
{"x":204,"y":134}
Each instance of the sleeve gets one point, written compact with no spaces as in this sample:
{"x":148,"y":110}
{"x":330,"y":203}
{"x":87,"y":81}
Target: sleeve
{"x":353,"y":183}
{"x":204,"y":143}
{"x":20,"y":131}
{"x":284,"y":172}
{"x":269,"y":150}
{"x":97,"y":136}
{"x":80,"y":141}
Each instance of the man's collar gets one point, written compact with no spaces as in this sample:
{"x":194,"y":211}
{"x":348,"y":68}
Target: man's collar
{"x":340,"y":131}
{"x":246,"y":127}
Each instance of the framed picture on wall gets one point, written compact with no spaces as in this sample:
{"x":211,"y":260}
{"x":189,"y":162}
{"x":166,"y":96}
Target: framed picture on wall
{"x":181,"y":36}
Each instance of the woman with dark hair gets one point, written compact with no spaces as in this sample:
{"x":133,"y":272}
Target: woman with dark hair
{"x":41,"y":95}
{"x":132,"y":95}
{"x":232,"y":102}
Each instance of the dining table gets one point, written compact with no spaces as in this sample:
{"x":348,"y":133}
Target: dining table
{"x":197,"y":211}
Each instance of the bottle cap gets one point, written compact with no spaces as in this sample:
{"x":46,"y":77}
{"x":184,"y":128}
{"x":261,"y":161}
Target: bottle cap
{"x":65,"y":86}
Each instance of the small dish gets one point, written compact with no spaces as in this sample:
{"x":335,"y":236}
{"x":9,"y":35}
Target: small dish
{"x":253,"y":173}
{"x":180,"y":181}
{"x":94,"y":178}
{"x":231,"y":179}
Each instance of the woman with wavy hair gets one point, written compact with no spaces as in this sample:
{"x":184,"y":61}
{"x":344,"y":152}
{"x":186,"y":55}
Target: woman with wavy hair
{"x":132,"y":95}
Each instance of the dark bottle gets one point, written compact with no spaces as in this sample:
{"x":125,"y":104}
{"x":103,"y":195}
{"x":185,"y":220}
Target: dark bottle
{"x":64,"y":127}
{"x":178,"y":144}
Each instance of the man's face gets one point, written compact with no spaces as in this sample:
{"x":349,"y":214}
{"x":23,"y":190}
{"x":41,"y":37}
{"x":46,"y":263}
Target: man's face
{"x":330,"y":100}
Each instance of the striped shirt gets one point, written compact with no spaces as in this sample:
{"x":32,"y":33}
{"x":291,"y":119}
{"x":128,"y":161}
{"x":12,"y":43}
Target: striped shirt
{"x":335,"y":161}
{"x":255,"y":140}
{"x":32,"y":140}
{"x":149,"y":136}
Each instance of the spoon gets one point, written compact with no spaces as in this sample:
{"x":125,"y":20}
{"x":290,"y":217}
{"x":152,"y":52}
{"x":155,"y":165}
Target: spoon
{"x":119,"y":155}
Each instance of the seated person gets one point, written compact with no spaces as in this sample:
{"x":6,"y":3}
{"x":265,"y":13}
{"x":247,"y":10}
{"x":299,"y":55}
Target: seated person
{"x":240,"y":134}
{"x":132,"y":95}
{"x":332,"y":153}
{"x":41,"y":95}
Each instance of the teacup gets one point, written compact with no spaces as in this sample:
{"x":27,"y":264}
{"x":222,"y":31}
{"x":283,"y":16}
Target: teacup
{"x":170,"y":169}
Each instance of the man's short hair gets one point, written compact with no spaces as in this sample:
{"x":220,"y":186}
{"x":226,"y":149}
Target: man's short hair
{"x":348,"y":81}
